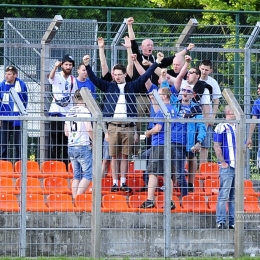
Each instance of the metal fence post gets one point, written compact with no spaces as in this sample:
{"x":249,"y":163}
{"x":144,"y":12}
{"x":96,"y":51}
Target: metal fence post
{"x":97,"y":172}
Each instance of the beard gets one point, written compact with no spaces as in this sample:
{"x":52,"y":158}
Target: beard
{"x":66,"y":72}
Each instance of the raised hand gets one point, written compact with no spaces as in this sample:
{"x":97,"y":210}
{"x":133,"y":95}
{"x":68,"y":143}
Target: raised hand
{"x":86,"y":60}
{"x":101,"y":42}
{"x":130,"y":20}
{"x":57,"y":64}
{"x":127,"y":43}
{"x":160,"y":56}
{"x":188,"y":58}
{"x":134,"y":57}
{"x":190,"y":46}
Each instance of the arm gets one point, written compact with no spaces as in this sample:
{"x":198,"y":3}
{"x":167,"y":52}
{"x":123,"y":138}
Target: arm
{"x":130,"y":64}
{"x":141,"y":71}
{"x":185,"y":50}
{"x":102,"y":56}
{"x":131,"y":33}
{"x":99,"y":83}
{"x":53,"y":71}
{"x":215,"y":108}
{"x":206,"y":111}
{"x":219,"y":154}
{"x":66,"y":131}
{"x":179,"y":78}
{"x":89,"y":129}
{"x":155,"y":130}
{"x":142,"y":79}
{"x":250,"y":134}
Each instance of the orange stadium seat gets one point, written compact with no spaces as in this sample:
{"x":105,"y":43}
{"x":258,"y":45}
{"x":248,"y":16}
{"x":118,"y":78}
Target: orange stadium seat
{"x":249,"y":188}
{"x":33,"y":186}
{"x":83,"y":202}
{"x":36,"y":203}
{"x":60,"y":202}
{"x":9,"y":203}
{"x":134,"y":183}
{"x":55,"y":169}
{"x":212,"y":203}
{"x":7,"y":186}
{"x":33,"y":169}
{"x":211,"y":186}
{"x":251,"y":204}
{"x":114,"y":203}
{"x":195,"y":203}
{"x":6,"y":170}
{"x":208,"y":170}
{"x":56,"y":185}
{"x":136,"y":200}
{"x":159,"y":203}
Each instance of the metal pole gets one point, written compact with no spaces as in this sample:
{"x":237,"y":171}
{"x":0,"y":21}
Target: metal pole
{"x":22,"y":249}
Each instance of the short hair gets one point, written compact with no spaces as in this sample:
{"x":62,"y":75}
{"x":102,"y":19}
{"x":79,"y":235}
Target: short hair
{"x":11,"y":68}
{"x":81,"y":64}
{"x":120,"y":67}
{"x":77,"y":95}
{"x":198,"y":72}
{"x":206,"y":63}
{"x":166,"y":91}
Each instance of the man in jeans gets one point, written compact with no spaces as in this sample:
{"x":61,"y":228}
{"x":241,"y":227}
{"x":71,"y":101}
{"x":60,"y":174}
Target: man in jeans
{"x":225,"y":148}
{"x":79,"y":135}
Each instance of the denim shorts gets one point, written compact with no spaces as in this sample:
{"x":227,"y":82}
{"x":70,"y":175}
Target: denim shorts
{"x":207,"y":140}
{"x":81,"y":160}
{"x":106,"y":155}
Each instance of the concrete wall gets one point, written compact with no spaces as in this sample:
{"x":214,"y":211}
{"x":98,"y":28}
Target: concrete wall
{"x":123,"y":234}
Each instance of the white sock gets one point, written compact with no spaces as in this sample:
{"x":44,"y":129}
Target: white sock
{"x":115,"y":182}
{"x":122,"y":180}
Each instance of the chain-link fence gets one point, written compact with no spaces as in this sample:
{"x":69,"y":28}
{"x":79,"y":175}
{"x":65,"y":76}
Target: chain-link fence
{"x":59,"y":228}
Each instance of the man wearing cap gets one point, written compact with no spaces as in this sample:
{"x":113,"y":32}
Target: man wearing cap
{"x":64,"y":86}
{"x":9,"y":108}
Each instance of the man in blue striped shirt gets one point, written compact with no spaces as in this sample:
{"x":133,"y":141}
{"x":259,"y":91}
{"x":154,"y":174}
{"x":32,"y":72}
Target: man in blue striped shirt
{"x":225,"y":149}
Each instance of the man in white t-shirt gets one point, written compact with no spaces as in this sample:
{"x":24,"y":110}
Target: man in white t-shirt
{"x":63,"y":87}
{"x":206,"y":68}
{"x":79,"y":135}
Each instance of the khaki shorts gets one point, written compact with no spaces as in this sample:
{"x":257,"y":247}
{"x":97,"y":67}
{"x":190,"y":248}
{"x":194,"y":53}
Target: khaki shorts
{"x":120,"y":139}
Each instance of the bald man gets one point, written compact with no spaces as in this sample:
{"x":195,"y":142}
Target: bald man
{"x":177,"y":64}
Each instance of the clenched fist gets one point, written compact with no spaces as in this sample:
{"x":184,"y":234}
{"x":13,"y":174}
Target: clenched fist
{"x":86,"y":60}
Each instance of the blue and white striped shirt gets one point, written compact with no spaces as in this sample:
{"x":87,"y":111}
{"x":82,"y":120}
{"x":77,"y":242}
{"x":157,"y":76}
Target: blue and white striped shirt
{"x":226,"y":135}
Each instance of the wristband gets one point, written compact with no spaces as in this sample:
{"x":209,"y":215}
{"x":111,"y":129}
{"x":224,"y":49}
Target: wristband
{"x":186,"y":49}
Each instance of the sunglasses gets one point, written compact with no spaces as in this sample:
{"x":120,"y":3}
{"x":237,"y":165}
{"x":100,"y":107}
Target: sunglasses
{"x":192,"y":72}
{"x":186,"y":90}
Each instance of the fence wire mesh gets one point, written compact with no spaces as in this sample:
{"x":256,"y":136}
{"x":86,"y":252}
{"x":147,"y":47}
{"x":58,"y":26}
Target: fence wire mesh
{"x":53,"y":222}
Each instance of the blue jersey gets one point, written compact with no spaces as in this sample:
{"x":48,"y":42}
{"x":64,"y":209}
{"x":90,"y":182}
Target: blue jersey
{"x":87,"y":84}
{"x":256,"y":112}
{"x":226,"y":135}
{"x":158,"y":139}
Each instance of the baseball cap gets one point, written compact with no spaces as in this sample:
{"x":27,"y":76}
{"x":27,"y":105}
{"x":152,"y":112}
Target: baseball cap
{"x":69,"y":58}
{"x":11,"y":68}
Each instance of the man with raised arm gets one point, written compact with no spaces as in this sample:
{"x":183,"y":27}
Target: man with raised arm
{"x":119,"y":104}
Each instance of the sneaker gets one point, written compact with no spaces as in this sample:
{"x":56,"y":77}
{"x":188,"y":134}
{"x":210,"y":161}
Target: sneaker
{"x":162,"y":188}
{"x":125,"y":188}
{"x":148,"y":204}
{"x":114,"y":188}
{"x":144,"y":188}
{"x":221,"y":226}
{"x":172,"y":205}
{"x":231,"y":227}
{"x":190,"y":187}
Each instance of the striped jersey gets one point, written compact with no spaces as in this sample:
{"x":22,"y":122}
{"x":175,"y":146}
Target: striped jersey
{"x":226,"y":135}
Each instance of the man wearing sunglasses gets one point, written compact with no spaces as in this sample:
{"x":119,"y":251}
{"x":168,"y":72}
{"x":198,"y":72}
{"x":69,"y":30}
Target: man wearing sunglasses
{"x":193,"y":132}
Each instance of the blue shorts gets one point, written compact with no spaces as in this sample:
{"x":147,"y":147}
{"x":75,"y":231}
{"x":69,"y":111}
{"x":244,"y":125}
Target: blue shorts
{"x":81,"y":160}
{"x":207,"y":140}
{"x":106,"y":155}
